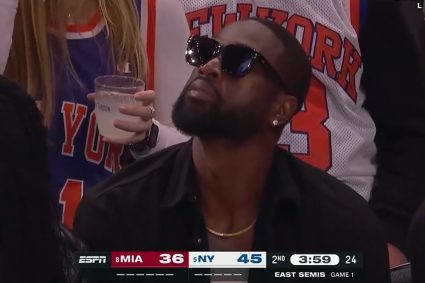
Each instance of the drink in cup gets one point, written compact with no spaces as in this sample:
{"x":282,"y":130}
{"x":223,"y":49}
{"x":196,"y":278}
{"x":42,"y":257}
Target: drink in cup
{"x":112,"y":91}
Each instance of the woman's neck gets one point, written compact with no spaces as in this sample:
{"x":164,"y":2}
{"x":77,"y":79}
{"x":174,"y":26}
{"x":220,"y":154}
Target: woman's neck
{"x":81,"y":11}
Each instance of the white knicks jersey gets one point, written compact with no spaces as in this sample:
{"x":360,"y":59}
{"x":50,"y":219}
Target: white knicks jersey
{"x":332,"y":131}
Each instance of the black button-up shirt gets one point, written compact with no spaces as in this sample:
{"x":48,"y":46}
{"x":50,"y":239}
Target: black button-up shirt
{"x":152,"y":205}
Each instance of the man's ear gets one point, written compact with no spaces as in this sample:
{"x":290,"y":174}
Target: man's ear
{"x":286,"y":107}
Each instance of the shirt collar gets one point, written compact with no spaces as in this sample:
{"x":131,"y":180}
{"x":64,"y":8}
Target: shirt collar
{"x":281,"y":187}
{"x":182,"y":182}
{"x":283,"y":178}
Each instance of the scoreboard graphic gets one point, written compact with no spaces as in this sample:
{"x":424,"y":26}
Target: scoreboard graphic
{"x":219,"y":266}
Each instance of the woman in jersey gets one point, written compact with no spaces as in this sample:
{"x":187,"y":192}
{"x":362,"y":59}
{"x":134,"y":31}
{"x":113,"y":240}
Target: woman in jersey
{"x":60,"y":47}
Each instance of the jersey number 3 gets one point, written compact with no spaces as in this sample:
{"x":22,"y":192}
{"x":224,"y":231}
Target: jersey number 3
{"x":310,"y":122}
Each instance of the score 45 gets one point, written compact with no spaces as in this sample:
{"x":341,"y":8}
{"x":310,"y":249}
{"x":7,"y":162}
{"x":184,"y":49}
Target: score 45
{"x":254,"y":258}
{"x":227,"y":259}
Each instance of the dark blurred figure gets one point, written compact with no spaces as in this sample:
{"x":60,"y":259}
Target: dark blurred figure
{"x":393,"y":49}
{"x":29,"y":246}
{"x":416,"y":245}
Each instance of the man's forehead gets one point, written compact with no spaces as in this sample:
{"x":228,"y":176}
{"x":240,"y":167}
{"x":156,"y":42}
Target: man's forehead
{"x":250,"y":33}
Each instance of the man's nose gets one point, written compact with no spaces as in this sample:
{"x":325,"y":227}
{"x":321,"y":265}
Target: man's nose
{"x":212,"y":68}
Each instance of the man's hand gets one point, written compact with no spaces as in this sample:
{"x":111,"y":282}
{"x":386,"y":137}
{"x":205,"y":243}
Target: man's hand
{"x":145,"y":111}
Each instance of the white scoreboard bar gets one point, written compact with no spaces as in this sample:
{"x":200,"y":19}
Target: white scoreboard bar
{"x":227,"y":260}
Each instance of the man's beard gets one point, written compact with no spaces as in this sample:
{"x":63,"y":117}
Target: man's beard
{"x":212,"y":119}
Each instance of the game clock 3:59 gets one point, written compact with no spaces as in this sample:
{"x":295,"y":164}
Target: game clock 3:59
{"x":314,"y":259}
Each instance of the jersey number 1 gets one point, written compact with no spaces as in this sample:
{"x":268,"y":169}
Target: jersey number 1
{"x":70,"y":196}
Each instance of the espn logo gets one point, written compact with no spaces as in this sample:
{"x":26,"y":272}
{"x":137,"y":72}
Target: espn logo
{"x":92,"y":259}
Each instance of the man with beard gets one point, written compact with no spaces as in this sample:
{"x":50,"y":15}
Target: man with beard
{"x":230,"y":188}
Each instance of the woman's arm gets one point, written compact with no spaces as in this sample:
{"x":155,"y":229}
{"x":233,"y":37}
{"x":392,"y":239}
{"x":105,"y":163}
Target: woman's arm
{"x":171,"y":69}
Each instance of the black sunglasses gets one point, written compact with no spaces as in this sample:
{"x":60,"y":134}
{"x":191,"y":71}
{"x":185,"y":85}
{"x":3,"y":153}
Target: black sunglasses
{"x":236,"y":60}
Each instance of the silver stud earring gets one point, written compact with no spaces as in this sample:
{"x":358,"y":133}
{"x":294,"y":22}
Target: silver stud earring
{"x":275,"y":123}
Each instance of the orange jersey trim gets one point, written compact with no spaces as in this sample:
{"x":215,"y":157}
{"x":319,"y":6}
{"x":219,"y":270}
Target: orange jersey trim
{"x":355,"y":14}
{"x":85,"y":27}
{"x":150,"y":43}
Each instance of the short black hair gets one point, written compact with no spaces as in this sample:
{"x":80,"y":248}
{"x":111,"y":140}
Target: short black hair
{"x":296,"y":63}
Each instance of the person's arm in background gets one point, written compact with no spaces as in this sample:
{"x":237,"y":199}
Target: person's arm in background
{"x":7,"y":18}
{"x":170,"y":68}
{"x":393,"y":50}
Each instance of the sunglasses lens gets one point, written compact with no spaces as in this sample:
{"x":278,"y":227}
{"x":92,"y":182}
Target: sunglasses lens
{"x":237,"y":60}
{"x":200,"y":50}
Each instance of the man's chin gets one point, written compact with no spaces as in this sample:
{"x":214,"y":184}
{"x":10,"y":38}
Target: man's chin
{"x":192,"y":116}
{"x":192,"y":123}
{"x":195,"y":106}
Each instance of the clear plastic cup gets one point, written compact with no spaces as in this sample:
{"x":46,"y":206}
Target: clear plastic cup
{"x":112,"y":91}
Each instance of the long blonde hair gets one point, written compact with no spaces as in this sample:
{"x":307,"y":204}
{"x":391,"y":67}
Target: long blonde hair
{"x":40,"y":36}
